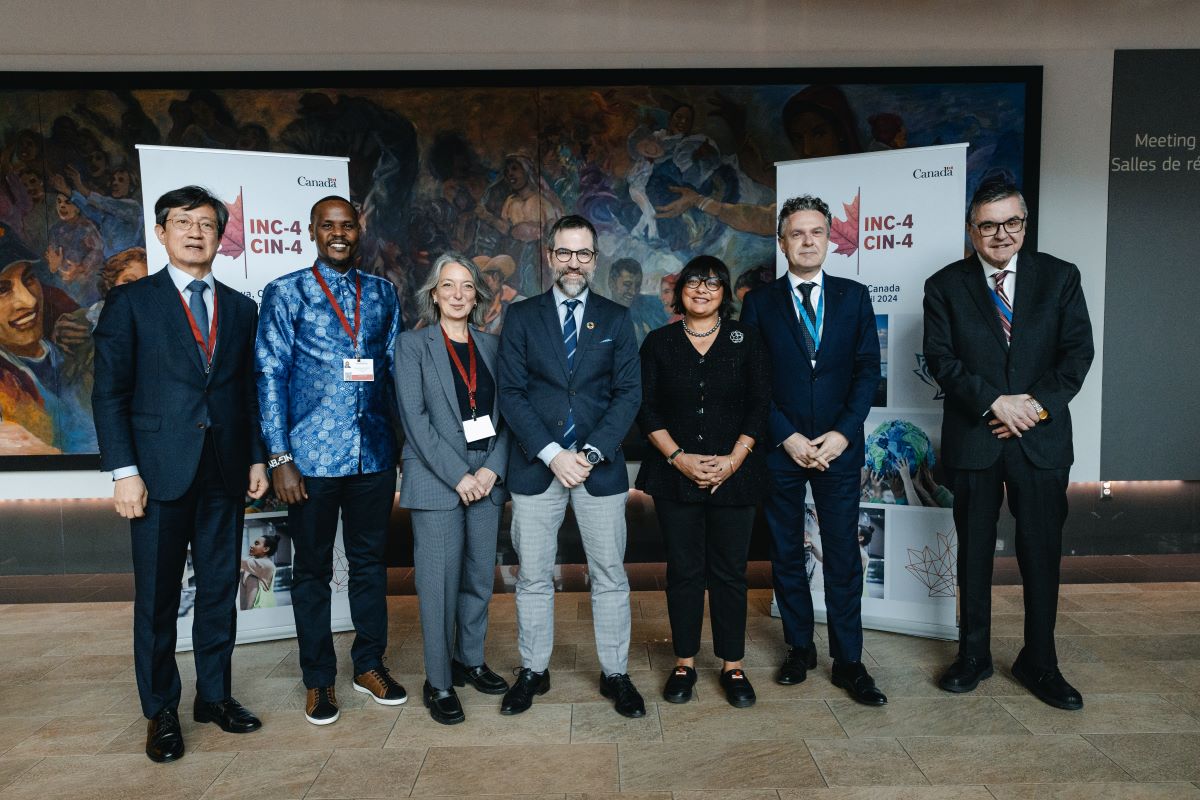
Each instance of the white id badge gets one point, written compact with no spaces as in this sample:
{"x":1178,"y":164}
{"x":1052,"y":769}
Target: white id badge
{"x":478,"y":428}
{"x":358,"y":369}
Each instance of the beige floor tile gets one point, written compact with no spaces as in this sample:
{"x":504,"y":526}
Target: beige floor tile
{"x":891,"y":649}
{"x":707,"y":765}
{"x":268,"y":775}
{"x":1189,"y":702}
{"x":129,"y":777}
{"x":1117,"y":677}
{"x":1161,"y":647}
{"x":544,"y":723}
{"x":95,"y":643}
{"x":767,"y":719}
{"x":1071,"y":649}
{"x":1103,"y":601}
{"x":74,"y":736}
{"x":1096,"y":791}
{"x":926,"y":716}
{"x":1170,"y":601}
{"x":1153,"y":756}
{"x":626,"y":796}
{"x":864,"y":762}
{"x":368,"y":773}
{"x":889,"y":793}
{"x":1010,"y":759}
{"x":743,"y":794}
{"x":59,"y":698}
{"x":1066,"y":625}
{"x":519,"y":769}
{"x":13,"y":768}
{"x":1102,"y":713}
{"x":598,"y":722}
{"x":288,"y":730}
{"x":14,"y":730}
{"x":17,"y":646}
{"x":1184,"y":672}
{"x":94,"y":668}
{"x":1132,"y":623}
{"x":32,"y":669}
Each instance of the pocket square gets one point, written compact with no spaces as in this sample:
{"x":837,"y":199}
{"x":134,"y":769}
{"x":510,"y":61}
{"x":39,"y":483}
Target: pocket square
{"x":606,"y":341}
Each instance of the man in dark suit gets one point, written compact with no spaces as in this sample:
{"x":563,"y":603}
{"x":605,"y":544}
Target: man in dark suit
{"x":820,"y":331}
{"x":176,"y":417}
{"x":1007,"y":337}
{"x":570,"y":387}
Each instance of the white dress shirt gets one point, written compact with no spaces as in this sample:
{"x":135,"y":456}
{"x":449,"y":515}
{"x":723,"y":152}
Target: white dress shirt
{"x":814,"y":297}
{"x":547,"y":453}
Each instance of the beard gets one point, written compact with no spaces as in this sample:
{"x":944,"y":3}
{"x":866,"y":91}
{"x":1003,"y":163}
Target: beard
{"x":572,"y":284}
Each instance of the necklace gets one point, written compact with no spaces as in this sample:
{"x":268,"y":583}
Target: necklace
{"x":708,"y":332}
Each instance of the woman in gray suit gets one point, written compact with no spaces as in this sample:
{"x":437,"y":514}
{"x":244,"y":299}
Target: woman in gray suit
{"x":455,"y":453}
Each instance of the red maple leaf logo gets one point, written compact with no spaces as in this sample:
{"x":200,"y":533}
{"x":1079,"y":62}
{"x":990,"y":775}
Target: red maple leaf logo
{"x":233,"y":243}
{"x":844,"y":234}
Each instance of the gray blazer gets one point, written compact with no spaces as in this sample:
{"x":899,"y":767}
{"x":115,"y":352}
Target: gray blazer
{"x":435,"y":447}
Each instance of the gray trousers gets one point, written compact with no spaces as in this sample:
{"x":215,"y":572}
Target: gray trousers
{"x":535,"y":523}
{"x":455,"y":560}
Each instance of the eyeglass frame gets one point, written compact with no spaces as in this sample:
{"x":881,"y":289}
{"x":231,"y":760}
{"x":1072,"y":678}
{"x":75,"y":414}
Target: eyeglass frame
{"x":578,"y":254}
{"x":1020,"y":223}
{"x":695,"y":281}
{"x":186,"y":224}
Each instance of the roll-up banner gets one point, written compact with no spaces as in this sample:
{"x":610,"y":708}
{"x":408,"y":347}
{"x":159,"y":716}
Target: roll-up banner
{"x":269,"y":196}
{"x":897,"y":218}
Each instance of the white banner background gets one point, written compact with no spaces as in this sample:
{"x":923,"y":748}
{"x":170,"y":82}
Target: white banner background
{"x":269,"y":196}
{"x":898,"y":218}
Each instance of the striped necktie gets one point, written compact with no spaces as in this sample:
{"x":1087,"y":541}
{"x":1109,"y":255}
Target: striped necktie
{"x":570,"y":344}
{"x":1005,"y":318}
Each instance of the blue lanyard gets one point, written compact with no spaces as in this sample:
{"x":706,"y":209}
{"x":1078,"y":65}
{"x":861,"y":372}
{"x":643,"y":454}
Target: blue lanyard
{"x":1004,"y":310}
{"x":814,"y":330}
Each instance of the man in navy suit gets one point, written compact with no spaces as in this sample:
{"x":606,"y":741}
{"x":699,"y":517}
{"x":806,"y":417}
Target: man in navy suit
{"x":820,"y":331}
{"x":1009,"y":340}
{"x":177,"y":421}
{"x":570,"y":387}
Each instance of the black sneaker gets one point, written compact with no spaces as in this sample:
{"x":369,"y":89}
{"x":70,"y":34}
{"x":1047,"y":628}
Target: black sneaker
{"x":321,"y":707}
{"x":679,"y":685}
{"x":626,"y":700}
{"x":519,"y":698}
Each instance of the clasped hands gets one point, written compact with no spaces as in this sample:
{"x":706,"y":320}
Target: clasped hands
{"x":707,"y":472}
{"x":476,"y":486}
{"x":1013,"y":413}
{"x":816,"y":453}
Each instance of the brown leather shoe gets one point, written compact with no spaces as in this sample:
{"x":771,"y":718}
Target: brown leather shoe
{"x":321,"y":706}
{"x":382,"y":687}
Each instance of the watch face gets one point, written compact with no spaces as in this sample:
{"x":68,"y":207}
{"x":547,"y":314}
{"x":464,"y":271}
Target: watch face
{"x":593,"y":457}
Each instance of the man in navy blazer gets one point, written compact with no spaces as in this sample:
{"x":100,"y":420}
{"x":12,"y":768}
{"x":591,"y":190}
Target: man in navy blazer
{"x":1009,"y":340}
{"x":821,"y":333}
{"x":570,"y":388}
{"x":177,"y":422}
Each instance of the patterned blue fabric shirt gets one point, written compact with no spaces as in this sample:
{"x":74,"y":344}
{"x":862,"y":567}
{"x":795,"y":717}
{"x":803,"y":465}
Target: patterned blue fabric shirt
{"x":331,"y":426}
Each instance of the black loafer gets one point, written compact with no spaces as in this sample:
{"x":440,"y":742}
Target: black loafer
{"x":679,"y":685}
{"x":519,"y":698}
{"x":1049,"y":687}
{"x":853,"y":677}
{"x":481,"y":677}
{"x":965,"y":674}
{"x":738,"y":690}
{"x":443,"y":705}
{"x":164,"y":739}
{"x":626,"y":700}
{"x":796,"y":664}
{"x":230,"y":715}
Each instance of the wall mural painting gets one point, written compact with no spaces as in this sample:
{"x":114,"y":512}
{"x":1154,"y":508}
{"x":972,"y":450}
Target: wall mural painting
{"x":675,"y":165}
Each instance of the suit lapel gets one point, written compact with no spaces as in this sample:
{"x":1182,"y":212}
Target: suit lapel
{"x":549,"y":315}
{"x":591,"y":316}
{"x":1027,"y":293}
{"x":486,"y":346}
{"x":227,"y":323}
{"x":976,"y":287}
{"x":787,"y":312}
{"x":171,"y":305}
{"x":441,"y":363}
{"x":834,"y":296}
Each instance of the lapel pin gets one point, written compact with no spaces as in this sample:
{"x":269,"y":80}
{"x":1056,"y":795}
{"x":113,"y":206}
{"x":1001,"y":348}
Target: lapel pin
{"x":590,"y":326}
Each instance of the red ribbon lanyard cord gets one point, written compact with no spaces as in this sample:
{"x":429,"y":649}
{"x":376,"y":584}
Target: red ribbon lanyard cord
{"x":351,"y":332}
{"x":210,"y":348}
{"x":470,"y":380}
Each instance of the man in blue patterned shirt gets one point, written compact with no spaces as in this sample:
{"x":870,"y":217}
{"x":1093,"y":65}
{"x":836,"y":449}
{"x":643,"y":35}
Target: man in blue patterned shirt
{"x":324,"y":362}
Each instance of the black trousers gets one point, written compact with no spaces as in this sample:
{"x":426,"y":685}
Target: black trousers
{"x":1037,"y":499}
{"x":209,"y":519}
{"x":365,"y":503}
{"x":706,"y":546}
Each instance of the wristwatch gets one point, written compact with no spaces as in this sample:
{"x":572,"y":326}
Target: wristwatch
{"x":1040,"y":410}
{"x":592,"y":455}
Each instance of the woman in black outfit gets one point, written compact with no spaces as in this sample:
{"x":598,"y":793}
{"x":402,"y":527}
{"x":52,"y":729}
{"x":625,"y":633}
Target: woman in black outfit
{"x":705,"y":399}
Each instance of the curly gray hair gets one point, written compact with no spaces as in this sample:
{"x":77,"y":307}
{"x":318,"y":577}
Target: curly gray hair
{"x":428,"y":310}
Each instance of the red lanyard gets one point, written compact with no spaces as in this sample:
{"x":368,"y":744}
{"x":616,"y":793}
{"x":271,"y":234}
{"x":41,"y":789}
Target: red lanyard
{"x":471,"y":380}
{"x":351,"y":332}
{"x":211,"y":346}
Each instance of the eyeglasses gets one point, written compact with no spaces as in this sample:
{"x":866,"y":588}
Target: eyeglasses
{"x":186,"y":224}
{"x":563,"y":255}
{"x":710,"y":283}
{"x":989,"y":228}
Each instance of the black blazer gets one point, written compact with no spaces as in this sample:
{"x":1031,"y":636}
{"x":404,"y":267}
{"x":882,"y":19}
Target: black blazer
{"x":152,"y":398}
{"x":705,"y":403}
{"x":1049,"y":356}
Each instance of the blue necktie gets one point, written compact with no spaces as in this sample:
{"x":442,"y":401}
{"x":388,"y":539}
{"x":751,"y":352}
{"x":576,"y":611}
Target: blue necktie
{"x":199,"y":310}
{"x":570,"y":343}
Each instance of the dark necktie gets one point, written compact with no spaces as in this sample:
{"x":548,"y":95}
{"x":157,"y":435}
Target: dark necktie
{"x":1005,"y":324}
{"x":805,"y":290}
{"x":199,"y":310}
{"x":570,"y":344}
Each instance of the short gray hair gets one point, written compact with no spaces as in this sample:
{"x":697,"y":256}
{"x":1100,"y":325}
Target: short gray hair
{"x":805,"y":202}
{"x":993,"y":191}
{"x":428,"y":310}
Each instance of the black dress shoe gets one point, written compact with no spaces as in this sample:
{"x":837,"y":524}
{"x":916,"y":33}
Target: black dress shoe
{"x":519,"y":698}
{"x":1049,"y":687}
{"x":679,"y":685}
{"x":443,"y":705}
{"x":626,"y":700}
{"x":481,"y":677}
{"x":965,"y":674}
{"x":738,"y":690}
{"x":164,"y":739}
{"x":796,"y":664}
{"x":852,"y":676}
{"x":230,"y":715}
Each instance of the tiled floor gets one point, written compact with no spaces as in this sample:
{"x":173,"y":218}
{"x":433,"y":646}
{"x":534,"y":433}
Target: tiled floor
{"x":70,"y":728}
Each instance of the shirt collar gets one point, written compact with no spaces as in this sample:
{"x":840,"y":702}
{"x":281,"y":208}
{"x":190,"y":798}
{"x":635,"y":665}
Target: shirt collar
{"x":819,"y":280}
{"x":329,"y":273}
{"x":560,"y":298}
{"x":181,"y":279}
{"x":989,"y":270}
